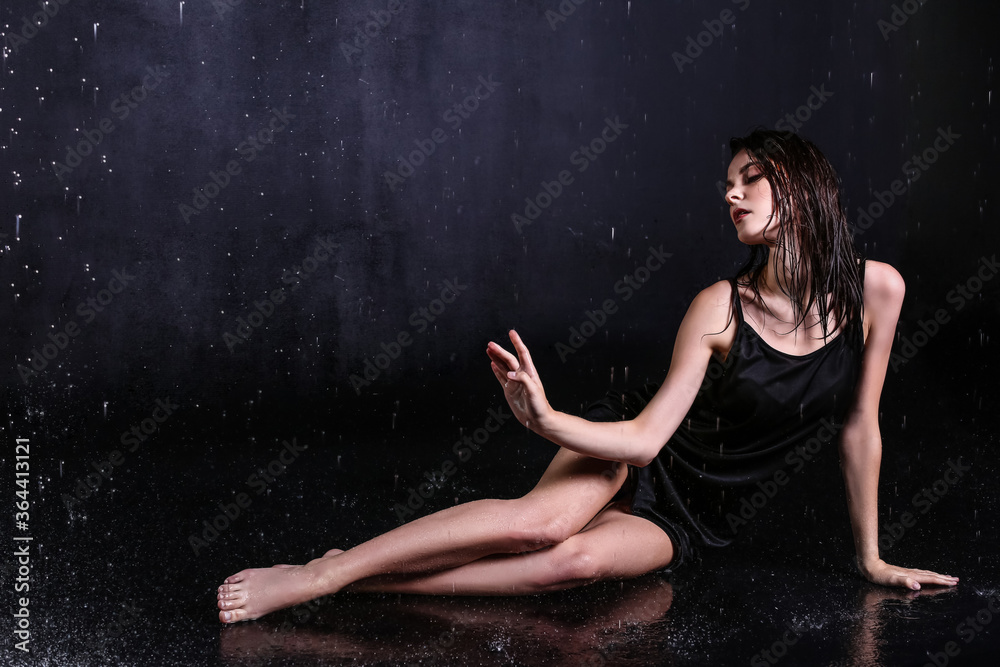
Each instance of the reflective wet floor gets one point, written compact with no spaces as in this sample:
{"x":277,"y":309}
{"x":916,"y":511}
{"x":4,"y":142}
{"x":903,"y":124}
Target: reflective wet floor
{"x":128,"y":574}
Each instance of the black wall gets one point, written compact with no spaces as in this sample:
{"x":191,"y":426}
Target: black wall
{"x":347,"y":108}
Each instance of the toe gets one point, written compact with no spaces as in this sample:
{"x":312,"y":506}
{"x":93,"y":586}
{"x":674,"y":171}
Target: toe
{"x":233,"y":616}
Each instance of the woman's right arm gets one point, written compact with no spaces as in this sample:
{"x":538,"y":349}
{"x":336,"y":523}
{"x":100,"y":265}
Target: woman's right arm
{"x":635,"y":441}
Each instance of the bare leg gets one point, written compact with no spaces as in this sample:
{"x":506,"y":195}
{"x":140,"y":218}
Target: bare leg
{"x":616,"y":545}
{"x":570,"y":493}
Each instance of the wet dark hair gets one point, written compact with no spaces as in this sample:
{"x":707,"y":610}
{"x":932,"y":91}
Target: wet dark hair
{"x":805,"y":193}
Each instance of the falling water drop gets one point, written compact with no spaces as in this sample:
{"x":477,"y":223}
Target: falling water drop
{"x":95,"y":32}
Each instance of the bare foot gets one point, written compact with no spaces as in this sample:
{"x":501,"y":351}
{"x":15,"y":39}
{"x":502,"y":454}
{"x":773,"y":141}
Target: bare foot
{"x":250,"y":594}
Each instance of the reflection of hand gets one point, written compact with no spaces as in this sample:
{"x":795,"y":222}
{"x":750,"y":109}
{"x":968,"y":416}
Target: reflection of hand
{"x":890,"y":575}
{"x":519,"y":379}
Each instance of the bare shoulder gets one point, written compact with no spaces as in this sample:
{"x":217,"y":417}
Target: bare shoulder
{"x":714,"y":301}
{"x":884,"y":287}
{"x":711,"y":311}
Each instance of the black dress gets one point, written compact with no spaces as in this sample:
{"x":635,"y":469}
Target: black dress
{"x":752,"y":411}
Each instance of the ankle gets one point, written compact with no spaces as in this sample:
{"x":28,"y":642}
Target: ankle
{"x":323,"y":576}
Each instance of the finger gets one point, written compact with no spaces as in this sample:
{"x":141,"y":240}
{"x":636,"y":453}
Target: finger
{"x":928,"y":573}
{"x":504,"y":359}
{"x":938,"y":579}
{"x":502,"y":377}
{"x":522,"y":353}
{"x":900,"y":578}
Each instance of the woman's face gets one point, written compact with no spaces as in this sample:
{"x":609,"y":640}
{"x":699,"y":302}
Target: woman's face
{"x":748,"y":195}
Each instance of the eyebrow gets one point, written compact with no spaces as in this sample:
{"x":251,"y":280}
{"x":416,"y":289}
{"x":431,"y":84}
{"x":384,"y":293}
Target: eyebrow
{"x":743,"y":170}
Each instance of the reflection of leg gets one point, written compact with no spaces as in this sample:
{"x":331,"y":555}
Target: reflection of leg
{"x":572,"y":491}
{"x":615,"y":545}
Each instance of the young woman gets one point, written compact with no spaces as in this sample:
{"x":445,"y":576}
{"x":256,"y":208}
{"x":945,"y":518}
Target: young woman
{"x":793,"y":350}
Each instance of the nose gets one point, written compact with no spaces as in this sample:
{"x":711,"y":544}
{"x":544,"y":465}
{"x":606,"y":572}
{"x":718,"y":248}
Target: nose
{"x":733,"y":195}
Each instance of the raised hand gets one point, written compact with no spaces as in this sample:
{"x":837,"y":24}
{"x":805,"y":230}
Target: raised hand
{"x":519,"y":379}
{"x":891,"y":575}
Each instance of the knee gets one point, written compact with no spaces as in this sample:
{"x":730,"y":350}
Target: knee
{"x":533,"y":527}
{"x":530,"y":532}
{"x":568,"y":566}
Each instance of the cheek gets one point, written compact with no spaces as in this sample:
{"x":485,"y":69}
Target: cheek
{"x":764,"y":191}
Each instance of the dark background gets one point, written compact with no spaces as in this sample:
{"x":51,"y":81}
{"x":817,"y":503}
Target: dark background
{"x":227,"y":66}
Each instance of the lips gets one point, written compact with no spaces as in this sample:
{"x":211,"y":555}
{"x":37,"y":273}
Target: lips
{"x":738,"y":214}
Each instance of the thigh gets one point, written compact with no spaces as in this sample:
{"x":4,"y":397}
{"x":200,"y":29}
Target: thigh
{"x":620,"y":545}
{"x":573,"y":490}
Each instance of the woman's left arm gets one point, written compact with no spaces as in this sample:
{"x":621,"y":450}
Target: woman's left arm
{"x":860,"y":440}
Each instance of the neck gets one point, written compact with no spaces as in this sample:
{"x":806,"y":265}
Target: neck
{"x":778,"y":274}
